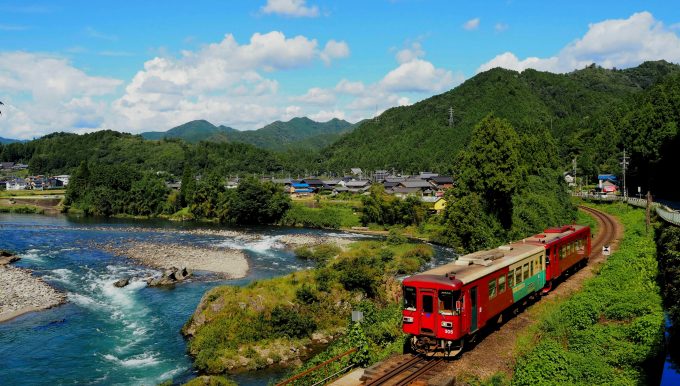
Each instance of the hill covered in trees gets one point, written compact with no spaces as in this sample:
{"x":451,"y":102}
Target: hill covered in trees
{"x":298,"y":133}
{"x":592,"y":113}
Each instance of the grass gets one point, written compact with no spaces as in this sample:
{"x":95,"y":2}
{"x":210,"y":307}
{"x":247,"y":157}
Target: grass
{"x":328,"y":215}
{"x":26,"y":193}
{"x":25,"y":209}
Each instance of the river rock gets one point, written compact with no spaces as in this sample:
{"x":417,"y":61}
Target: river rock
{"x":7,"y":257}
{"x":170,"y":276}
{"x":122,"y":282}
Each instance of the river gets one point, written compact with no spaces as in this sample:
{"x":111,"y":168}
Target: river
{"x":124,"y":336}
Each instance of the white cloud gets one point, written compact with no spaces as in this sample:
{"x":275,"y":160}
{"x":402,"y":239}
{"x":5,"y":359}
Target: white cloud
{"x":408,"y":54}
{"x":222,"y":82}
{"x":611,"y":43}
{"x":293,"y":8}
{"x":46,"y":93}
{"x":324,"y":115}
{"x":334,"y":50}
{"x":418,"y":75}
{"x":471,"y":24}
{"x":93,"y":33}
{"x":500,"y":27}
{"x":317,"y":96}
{"x":348,"y":87}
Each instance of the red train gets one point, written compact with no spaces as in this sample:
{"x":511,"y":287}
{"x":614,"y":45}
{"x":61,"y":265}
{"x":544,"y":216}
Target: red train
{"x":447,"y":305}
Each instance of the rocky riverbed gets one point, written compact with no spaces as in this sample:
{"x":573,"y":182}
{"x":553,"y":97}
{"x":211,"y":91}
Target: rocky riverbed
{"x":299,"y":240}
{"x":21,"y":292}
{"x":230,"y":263}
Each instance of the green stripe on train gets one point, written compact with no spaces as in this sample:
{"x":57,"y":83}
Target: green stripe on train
{"x":528,"y":286}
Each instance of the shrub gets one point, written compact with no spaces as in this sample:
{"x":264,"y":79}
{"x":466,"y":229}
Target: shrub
{"x":287,"y":321}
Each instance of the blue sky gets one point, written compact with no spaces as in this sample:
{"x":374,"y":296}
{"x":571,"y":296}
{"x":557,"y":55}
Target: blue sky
{"x":137,"y":66}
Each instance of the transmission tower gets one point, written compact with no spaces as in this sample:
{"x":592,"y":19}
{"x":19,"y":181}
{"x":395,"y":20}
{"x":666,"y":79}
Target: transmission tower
{"x":624,"y":164}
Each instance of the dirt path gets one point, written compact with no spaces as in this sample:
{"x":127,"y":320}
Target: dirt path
{"x":495,"y":352}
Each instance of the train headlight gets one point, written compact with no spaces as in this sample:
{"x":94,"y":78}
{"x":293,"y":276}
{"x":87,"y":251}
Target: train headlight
{"x":447,"y":324}
{"x":408,"y":319}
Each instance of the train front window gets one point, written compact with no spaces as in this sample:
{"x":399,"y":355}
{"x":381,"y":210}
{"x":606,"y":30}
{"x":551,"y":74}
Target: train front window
{"x":410,"y":298}
{"x":447,"y":302}
{"x":428,"y":304}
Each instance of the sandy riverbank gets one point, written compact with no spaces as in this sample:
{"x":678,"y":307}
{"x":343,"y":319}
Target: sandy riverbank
{"x":228,"y":262}
{"x":21,"y":292}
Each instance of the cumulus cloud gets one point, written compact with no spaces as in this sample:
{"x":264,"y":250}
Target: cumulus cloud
{"x":471,"y":24}
{"x":334,"y":50}
{"x":292,"y":8}
{"x":408,"y":54}
{"x":46,"y":92}
{"x":610,"y":43}
{"x":226,"y":82}
{"x":418,"y":75}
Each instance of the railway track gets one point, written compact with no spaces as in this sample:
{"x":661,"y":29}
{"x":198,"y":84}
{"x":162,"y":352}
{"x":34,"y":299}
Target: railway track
{"x":410,"y":369}
{"x":607,"y":231}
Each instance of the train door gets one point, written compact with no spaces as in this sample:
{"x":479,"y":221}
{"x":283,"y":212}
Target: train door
{"x":473,"y":309}
{"x":427,"y":311}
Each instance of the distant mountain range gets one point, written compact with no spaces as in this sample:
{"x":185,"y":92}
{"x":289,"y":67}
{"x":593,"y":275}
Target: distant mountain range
{"x":5,"y":141}
{"x":298,"y":133}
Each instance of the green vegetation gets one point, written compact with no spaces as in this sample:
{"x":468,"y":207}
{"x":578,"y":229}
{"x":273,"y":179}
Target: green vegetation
{"x":504,"y":190}
{"x":329,"y":215}
{"x":108,"y":190}
{"x":668,"y":253}
{"x":384,"y":209}
{"x":256,"y":325}
{"x":612,"y":330}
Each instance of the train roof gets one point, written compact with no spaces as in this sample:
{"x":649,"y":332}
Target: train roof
{"x":551,"y":235}
{"x":473,"y":266}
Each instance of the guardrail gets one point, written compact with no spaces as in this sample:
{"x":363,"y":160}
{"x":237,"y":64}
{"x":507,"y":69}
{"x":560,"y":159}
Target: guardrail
{"x":322,"y":370}
{"x":666,"y":213}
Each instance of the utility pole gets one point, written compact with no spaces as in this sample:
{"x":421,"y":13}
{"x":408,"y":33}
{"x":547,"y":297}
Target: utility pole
{"x":648,"y":219}
{"x":451,"y":116}
{"x":624,"y":164}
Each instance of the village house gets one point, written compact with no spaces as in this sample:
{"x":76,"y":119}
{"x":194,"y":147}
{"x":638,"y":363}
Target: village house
{"x":64,"y":178}
{"x":442,"y":182}
{"x":434,"y":204}
{"x":17,"y":184}
{"x":358,"y":186}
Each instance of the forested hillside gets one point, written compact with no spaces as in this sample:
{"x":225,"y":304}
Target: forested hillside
{"x":587,"y":112}
{"x":63,"y":153}
{"x":298,"y":133}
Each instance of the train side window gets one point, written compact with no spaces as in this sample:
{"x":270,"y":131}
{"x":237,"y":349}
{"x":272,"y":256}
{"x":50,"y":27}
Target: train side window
{"x":518,"y":275}
{"x":428,"y":304}
{"x":511,"y":278}
{"x":547,"y":256}
{"x":446,"y":303}
{"x":540,"y":260}
{"x":501,"y":284}
{"x":526,"y":271}
{"x":532,"y":268}
{"x":410,"y":298}
{"x":492,"y":288}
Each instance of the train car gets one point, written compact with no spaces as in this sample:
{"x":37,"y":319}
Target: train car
{"x":566,"y":247}
{"x":447,"y":305}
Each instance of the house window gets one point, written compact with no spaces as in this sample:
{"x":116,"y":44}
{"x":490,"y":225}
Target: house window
{"x":526,"y":271}
{"x":492,"y":288}
{"x":511,"y":278}
{"x":501,"y":284}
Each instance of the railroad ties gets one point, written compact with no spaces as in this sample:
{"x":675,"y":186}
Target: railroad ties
{"x":402,"y":370}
